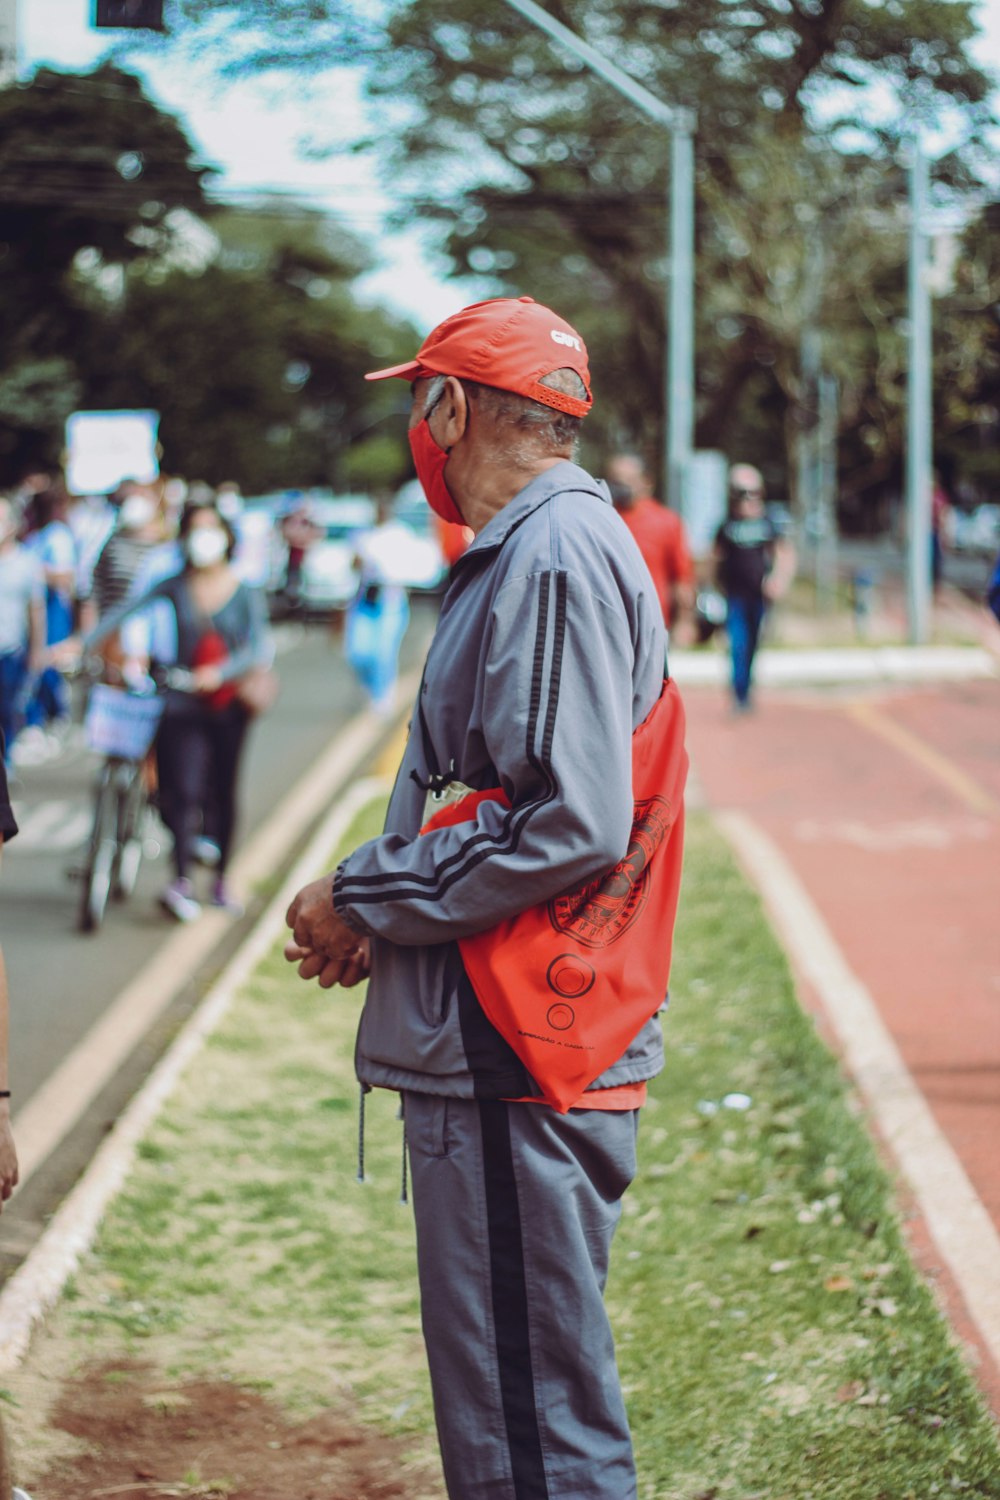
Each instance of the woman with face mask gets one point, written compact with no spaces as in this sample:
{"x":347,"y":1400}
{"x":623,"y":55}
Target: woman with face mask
{"x":222,"y":636}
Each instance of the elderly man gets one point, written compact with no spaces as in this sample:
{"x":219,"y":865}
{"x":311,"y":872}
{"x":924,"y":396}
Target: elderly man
{"x":548,"y":654}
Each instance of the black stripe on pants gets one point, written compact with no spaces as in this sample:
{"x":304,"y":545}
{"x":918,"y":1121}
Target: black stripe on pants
{"x":510,"y":1304}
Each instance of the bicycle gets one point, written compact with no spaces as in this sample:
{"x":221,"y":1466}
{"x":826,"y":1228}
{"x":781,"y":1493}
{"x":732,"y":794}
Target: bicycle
{"x":121,"y":723}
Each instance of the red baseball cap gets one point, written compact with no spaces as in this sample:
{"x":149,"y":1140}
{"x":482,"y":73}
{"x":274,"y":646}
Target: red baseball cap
{"x":510,"y":343}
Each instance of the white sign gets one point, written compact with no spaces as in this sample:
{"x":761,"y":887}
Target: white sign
{"x":704,"y":499}
{"x":105,"y":447}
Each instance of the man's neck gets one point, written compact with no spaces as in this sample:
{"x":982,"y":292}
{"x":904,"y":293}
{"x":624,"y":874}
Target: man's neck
{"x":496,"y":486}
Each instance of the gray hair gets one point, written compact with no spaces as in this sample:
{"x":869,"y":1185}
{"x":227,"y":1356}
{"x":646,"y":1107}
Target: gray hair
{"x":529,"y":424}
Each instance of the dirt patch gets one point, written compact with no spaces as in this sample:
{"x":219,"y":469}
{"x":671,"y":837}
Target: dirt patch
{"x":212,"y":1440}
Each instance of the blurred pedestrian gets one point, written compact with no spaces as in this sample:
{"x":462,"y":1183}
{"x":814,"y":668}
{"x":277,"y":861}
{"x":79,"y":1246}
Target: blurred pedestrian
{"x":379,"y":613}
{"x":754,"y":565}
{"x":22,"y":623}
{"x":548,"y":655}
{"x":125,"y":552}
{"x":298,"y":531}
{"x":51,"y":542}
{"x":253,"y":529}
{"x":222,"y":638}
{"x":993,"y":588}
{"x":940,"y":522}
{"x":453,"y":540}
{"x":659,"y":535}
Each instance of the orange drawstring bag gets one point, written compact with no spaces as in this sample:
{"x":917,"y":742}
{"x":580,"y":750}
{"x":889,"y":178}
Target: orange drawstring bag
{"x":571,"y":982}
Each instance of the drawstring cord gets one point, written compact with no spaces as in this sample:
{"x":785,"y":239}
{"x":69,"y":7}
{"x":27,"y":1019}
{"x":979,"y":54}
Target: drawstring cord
{"x":404,"y":1192}
{"x":361,"y":1132}
{"x":404,"y":1196}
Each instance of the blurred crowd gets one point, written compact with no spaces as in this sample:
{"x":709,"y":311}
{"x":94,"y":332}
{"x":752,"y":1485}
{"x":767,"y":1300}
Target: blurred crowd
{"x":66,"y":561}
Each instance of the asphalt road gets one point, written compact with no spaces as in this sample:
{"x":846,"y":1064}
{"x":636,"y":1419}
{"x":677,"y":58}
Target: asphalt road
{"x":61,"y":980}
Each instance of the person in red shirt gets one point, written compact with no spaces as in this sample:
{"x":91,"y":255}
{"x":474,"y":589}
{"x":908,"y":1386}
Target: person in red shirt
{"x":659,"y":535}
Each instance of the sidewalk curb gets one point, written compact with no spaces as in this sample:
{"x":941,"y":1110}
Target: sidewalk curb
{"x":38,"y":1283}
{"x":958,"y":1222}
{"x":807,"y":668}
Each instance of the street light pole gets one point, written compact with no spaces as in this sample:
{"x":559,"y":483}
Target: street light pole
{"x":679,"y":363}
{"x":679,"y":397}
{"x":919,"y":417}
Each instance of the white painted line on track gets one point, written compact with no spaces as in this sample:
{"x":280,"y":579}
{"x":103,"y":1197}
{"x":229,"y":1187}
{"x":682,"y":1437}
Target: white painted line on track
{"x":958,"y":1222}
{"x":37,"y":1284}
{"x":55,"y":1107}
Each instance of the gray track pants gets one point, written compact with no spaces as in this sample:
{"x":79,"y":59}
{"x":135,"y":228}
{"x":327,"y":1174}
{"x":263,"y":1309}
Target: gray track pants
{"x":515,"y":1208}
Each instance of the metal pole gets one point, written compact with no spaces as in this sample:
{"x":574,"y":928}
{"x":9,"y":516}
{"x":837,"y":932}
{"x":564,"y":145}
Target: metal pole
{"x":679,"y":363}
{"x":680,"y":314}
{"x":919,"y":418}
{"x":598,"y":63}
{"x":826,"y":546}
{"x":8,"y":42}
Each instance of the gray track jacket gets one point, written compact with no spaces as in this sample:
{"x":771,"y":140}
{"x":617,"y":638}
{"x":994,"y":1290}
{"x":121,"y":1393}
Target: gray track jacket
{"x":548,"y":653}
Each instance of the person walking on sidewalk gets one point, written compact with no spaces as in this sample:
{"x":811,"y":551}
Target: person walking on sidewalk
{"x":379,"y":613}
{"x":659,"y":535}
{"x":222,"y":639}
{"x":22,"y":622}
{"x":754,"y":565}
{"x":548,"y":654}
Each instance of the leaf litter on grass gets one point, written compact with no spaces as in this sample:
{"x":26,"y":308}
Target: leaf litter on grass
{"x":774,"y":1339}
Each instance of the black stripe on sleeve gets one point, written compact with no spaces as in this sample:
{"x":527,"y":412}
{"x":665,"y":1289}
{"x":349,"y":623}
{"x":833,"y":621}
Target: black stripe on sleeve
{"x":390,"y":886}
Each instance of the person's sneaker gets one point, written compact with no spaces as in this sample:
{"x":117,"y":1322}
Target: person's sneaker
{"x":224,"y":898}
{"x":176,"y":898}
{"x":206,"y":852}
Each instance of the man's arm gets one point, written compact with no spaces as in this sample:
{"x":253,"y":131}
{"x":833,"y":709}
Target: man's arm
{"x":557,"y":709}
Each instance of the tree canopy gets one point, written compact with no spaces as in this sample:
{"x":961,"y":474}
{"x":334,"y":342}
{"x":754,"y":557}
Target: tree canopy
{"x":125,"y":286}
{"x":540,"y":177}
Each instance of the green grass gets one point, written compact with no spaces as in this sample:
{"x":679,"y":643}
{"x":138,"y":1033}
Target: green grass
{"x":774,"y":1338}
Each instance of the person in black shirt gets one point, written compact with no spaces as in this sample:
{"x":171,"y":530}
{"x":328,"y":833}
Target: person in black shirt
{"x":753,"y":567}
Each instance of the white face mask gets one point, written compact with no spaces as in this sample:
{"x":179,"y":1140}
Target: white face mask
{"x":136,"y":512}
{"x":206,"y":546}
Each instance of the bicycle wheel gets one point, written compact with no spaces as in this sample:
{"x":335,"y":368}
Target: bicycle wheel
{"x":101,"y":852}
{"x":131,"y":823}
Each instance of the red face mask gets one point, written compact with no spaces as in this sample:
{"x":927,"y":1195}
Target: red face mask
{"x":429,"y":459}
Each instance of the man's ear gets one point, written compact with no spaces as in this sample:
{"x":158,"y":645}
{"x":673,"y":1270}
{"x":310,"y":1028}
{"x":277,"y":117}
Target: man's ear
{"x":451,"y":413}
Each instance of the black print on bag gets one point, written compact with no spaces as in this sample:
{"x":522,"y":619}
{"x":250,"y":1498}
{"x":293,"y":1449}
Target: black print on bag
{"x":570,"y":976}
{"x":598,"y":913}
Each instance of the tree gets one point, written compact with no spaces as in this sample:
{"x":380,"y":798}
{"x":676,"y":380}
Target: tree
{"x":123,"y":286}
{"x":541,"y":177}
{"x":87,"y":163}
{"x":256,"y":361}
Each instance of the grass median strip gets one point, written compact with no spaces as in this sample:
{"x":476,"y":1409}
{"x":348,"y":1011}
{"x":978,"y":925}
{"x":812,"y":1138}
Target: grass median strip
{"x":774,"y":1338}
